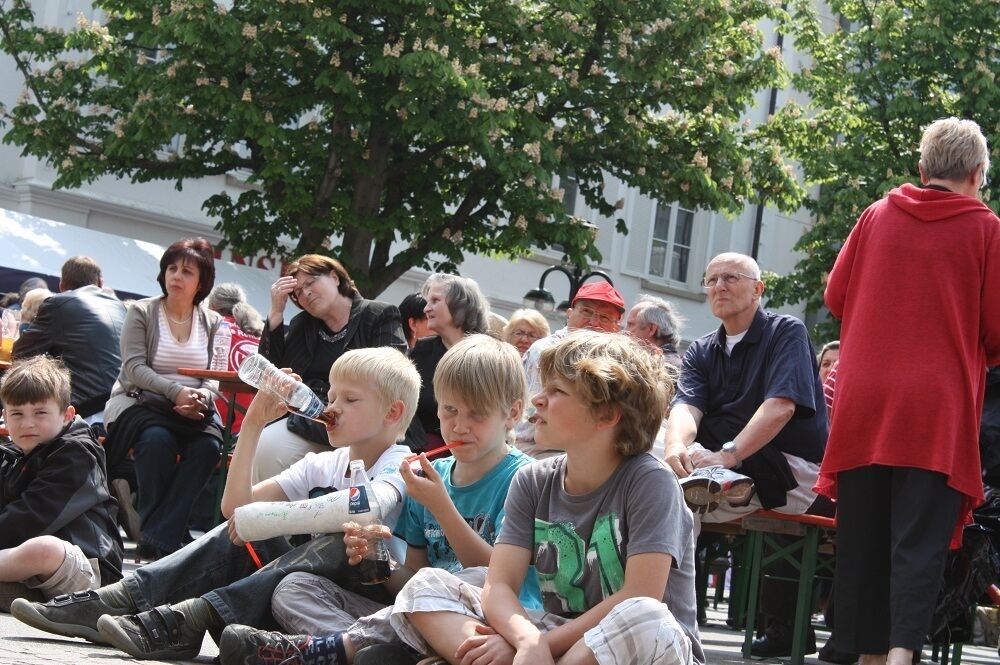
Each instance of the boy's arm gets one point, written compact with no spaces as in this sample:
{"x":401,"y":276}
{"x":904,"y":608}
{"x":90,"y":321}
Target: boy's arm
{"x":645,"y":575}
{"x":239,"y":489}
{"x":469,"y":546}
{"x":504,"y":612}
{"x":65,"y":487}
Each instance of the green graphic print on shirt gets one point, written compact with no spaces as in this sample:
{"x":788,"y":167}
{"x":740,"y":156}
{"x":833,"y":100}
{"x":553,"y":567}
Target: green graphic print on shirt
{"x":573,"y":575}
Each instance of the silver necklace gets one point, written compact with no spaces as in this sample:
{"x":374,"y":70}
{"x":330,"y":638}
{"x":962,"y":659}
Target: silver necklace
{"x":173,"y":320}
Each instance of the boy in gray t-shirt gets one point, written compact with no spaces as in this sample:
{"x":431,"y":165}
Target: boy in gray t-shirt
{"x":605,"y":526}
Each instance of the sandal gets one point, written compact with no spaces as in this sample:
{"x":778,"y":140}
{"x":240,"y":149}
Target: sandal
{"x":160,"y":633}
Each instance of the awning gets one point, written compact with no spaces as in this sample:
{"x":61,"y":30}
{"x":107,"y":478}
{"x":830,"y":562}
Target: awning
{"x":31,"y":246}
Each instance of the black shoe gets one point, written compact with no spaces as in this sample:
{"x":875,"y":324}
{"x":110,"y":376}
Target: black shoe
{"x":162,"y":633}
{"x":830,"y":654}
{"x":244,"y":645}
{"x":148,"y":553}
{"x":71,"y":615}
{"x":777,"y":642}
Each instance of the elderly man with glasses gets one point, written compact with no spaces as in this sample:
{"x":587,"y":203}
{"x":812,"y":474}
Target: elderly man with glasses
{"x":749,"y":399}
{"x":597,"y":306}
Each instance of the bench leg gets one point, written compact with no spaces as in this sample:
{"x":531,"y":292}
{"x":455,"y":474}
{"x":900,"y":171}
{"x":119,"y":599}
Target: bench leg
{"x":803,"y":603}
{"x":755,"y":546}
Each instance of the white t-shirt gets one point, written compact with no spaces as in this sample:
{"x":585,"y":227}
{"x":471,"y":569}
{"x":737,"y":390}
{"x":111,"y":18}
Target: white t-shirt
{"x":733,"y":340}
{"x":321,"y":473}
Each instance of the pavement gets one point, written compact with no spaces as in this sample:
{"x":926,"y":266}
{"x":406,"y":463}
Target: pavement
{"x":20,"y":644}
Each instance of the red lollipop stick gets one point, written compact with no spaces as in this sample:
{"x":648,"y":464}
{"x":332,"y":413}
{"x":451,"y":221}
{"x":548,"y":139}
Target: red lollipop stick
{"x":435,"y":451}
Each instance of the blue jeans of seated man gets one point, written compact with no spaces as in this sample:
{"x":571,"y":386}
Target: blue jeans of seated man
{"x":167,"y":487}
{"x":223,"y":574}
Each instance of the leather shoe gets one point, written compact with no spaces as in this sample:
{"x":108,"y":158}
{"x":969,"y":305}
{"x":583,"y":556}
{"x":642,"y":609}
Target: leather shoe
{"x":777,"y":642}
{"x":830,"y":654}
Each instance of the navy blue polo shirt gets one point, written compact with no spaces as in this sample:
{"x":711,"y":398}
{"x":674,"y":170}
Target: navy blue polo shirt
{"x":774,"y":359}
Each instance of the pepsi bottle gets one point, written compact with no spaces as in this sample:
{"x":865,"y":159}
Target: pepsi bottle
{"x":363,"y":507}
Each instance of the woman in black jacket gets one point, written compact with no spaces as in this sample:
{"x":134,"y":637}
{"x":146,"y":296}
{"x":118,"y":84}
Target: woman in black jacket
{"x":335,"y":319}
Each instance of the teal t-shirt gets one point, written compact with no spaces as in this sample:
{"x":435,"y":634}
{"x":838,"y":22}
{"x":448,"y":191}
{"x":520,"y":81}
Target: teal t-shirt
{"x":480,"y":504}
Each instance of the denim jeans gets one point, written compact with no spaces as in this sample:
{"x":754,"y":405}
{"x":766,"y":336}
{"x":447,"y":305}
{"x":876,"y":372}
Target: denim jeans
{"x":224,"y":575}
{"x":167,"y":487}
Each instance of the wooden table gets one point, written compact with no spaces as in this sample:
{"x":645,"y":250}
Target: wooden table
{"x":230,"y":387}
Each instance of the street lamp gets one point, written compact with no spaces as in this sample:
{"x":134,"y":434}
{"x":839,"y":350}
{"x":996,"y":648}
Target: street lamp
{"x":542,"y":299}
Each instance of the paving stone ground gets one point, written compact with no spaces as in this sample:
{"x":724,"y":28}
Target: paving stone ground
{"x":21,"y":645}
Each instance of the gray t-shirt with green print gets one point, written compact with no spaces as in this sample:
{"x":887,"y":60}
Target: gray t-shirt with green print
{"x":580,"y":543}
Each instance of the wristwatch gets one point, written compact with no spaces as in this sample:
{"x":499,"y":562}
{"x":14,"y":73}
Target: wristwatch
{"x":730,"y":447}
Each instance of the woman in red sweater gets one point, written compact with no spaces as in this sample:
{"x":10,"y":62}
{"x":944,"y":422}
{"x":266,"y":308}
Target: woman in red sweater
{"x":920,"y":270}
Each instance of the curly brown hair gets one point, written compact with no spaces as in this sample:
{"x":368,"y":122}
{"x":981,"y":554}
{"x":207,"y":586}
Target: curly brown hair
{"x":612,"y":373}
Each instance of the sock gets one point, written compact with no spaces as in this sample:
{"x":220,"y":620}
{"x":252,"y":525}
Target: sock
{"x":198,"y":614}
{"x":325,"y":651}
{"x":116,"y":595}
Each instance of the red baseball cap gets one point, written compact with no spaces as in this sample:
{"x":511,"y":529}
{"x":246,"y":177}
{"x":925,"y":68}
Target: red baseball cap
{"x":601,"y":291}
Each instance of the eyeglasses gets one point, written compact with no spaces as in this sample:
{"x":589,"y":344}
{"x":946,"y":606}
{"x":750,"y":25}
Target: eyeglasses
{"x":299,"y":290}
{"x":525,"y":334}
{"x":729,"y":278}
{"x":590,"y":314}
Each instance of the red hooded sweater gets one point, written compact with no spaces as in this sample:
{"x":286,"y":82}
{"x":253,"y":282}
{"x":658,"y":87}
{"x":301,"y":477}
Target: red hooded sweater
{"x":917,"y":287}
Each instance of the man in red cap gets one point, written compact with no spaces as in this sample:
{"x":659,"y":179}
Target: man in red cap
{"x":597,"y":306}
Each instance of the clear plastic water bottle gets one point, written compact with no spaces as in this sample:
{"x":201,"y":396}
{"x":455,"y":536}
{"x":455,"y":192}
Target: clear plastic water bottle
{"x":220,"y":347}
{"x":363,"y":506}
{"x":260,"y":373}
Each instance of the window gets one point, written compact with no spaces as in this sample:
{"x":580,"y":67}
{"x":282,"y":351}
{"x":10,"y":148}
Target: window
{"x":670,"y":248}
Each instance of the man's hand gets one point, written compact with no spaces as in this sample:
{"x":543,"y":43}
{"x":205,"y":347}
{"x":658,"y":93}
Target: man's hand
{"x":428,"y":490}
{"x":233,"y":533}
{"x":486,"y":647}
{"x":677,"y":458}
{"x":703,"y":458}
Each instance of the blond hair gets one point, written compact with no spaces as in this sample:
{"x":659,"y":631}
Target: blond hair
{"x":526,"y":317}
{"x":951,"y":149}
{"x":484,"y":372}
{"x":36,"y":379}
{"x":614,"y":372}
{"x":387,"y":373}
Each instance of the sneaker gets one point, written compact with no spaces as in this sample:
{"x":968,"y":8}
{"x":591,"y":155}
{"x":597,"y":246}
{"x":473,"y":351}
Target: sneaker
{"x":161,"y":633}
{"x":71,"y":615}
{"x":127,"y":517}
{"x":244,"y":645}
{"x":705,"y":489}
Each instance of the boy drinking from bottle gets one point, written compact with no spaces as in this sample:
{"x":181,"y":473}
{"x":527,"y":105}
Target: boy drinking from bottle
{"x":605,"y":526}
{"x":163,"y":610}
{"x":451,"y":517}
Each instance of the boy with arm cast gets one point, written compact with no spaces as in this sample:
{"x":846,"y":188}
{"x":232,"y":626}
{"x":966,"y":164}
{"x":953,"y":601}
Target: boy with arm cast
{"x":164,"y":609}
{"x":605,"y":525}
{"x":58,"y":533}
{"x":450,"y":520}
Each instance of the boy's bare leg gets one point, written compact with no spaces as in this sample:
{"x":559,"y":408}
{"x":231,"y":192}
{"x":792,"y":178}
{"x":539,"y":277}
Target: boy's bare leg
{"x":444,"y":631}
{"x":872,"y":659}
{"x":39,"y":556}
{"x":578,"y":654}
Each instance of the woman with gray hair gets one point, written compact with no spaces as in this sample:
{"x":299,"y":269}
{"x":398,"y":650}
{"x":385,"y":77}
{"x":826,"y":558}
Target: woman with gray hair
{"x":230,"y":300}
{"x":920,"y":270}
{"x":456,"y":307}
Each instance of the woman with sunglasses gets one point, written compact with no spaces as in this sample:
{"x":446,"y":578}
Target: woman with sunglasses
{"x":335,"y":319}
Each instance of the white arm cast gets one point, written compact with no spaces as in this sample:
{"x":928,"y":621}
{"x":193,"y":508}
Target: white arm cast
{"x":325,"y":514}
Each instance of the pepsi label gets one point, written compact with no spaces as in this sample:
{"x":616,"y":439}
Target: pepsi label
{"x":357,"y":501}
